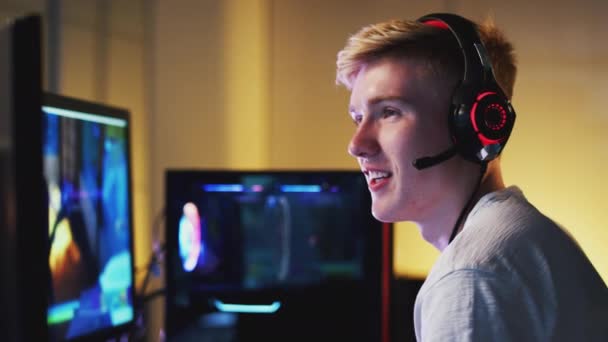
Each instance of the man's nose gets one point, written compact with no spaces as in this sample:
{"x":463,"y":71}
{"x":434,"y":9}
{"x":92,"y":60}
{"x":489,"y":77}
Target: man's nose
{"x":364,"y":142}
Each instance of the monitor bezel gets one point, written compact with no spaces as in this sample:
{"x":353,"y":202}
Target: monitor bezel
{"x":23,"y":208}
{"x":85,"y":106}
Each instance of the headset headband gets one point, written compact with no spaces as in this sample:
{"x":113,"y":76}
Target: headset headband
{"x":477,"y":66}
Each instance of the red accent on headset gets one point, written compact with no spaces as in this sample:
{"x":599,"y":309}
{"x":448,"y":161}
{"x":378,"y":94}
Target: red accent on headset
{"x":484,"y":94}
{"x":485,"y":141}
{"x":437,"y":23}
{"x":503,"y":117}
{"x":472,"y":116}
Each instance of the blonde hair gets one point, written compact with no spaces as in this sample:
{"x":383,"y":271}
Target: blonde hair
{"x":436,"y":46}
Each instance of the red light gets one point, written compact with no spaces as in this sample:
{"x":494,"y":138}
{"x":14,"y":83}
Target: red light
{"x":482,"y":95}
{"x":491,"y":124}
{"x":386,"y":278}
{"x":473,"y":109}
{"x":437,"y":23}
{"x":485,"y":141}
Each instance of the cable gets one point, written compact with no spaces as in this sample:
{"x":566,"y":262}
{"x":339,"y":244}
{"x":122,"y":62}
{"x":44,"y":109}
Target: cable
{"x":156,"y":258}
{"x":157,"y":255}
{"x":484,"y":167}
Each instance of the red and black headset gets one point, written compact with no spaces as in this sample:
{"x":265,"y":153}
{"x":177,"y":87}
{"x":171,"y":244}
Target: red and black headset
{"x":481,"y":116}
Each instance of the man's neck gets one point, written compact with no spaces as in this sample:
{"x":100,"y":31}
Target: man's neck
{"x":438,"y":228}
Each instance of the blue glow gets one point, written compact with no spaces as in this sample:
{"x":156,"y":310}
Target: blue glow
{"x":116,"y":275}
{"x":62,"y":312}
{"x":247,"y":308}
{"x":219,"y":319}
{"x":85,"y":116}
{"x":301,"y":188}
{"x":190,"y":247}
{"x":223,"y":187}
{"x":121,"y":315}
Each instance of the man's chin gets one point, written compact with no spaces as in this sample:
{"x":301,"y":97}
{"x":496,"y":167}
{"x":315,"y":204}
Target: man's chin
{"x":383,"y":216}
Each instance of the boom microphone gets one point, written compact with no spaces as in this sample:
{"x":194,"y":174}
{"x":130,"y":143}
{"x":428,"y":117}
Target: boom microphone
{"x":426,"y":162}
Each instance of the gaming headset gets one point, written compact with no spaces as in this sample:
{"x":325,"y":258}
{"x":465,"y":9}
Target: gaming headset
{"x":481,"y":116}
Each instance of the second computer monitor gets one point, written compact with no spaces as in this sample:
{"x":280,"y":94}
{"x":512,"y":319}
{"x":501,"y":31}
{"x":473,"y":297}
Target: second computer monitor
{"x":276,"y":244}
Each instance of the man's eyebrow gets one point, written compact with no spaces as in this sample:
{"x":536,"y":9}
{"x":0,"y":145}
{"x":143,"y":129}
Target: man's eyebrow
{"x":378,"y":99}
{"x":375,"y":100}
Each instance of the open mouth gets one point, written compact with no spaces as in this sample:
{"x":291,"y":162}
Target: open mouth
{"x":375,"y":177}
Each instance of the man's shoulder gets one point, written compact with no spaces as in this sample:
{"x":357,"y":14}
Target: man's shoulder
{"x":507,"y":236}
{"x":511,"y":261}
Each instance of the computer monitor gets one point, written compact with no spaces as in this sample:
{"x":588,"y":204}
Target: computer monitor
{"x":23,"y":209}
{"x":86,"y":162}
{"x":278,"y":244}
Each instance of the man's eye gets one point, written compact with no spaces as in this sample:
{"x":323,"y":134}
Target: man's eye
{"x":388,"y":112}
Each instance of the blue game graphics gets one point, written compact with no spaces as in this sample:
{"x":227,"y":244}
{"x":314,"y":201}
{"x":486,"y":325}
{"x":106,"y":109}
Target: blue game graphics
{"x":87,"y":175}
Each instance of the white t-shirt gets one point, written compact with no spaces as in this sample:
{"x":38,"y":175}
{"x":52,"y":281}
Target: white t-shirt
{"x":511,"y":274}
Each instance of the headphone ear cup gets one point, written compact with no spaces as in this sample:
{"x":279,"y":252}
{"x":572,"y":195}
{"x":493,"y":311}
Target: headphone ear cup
{"x":480,"y":123}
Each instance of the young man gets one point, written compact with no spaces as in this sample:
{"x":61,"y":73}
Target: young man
{"x":506,"y":272}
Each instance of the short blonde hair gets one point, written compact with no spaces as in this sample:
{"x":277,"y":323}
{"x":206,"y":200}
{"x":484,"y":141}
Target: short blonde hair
{"x":411,"y":39}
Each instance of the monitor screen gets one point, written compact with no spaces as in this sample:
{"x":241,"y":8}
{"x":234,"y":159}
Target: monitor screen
{"x":246,"y":242}
{"x":86,"y":167}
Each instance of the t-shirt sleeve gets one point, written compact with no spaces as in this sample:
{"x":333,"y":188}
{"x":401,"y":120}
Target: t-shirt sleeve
{"x":472,"y":305}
